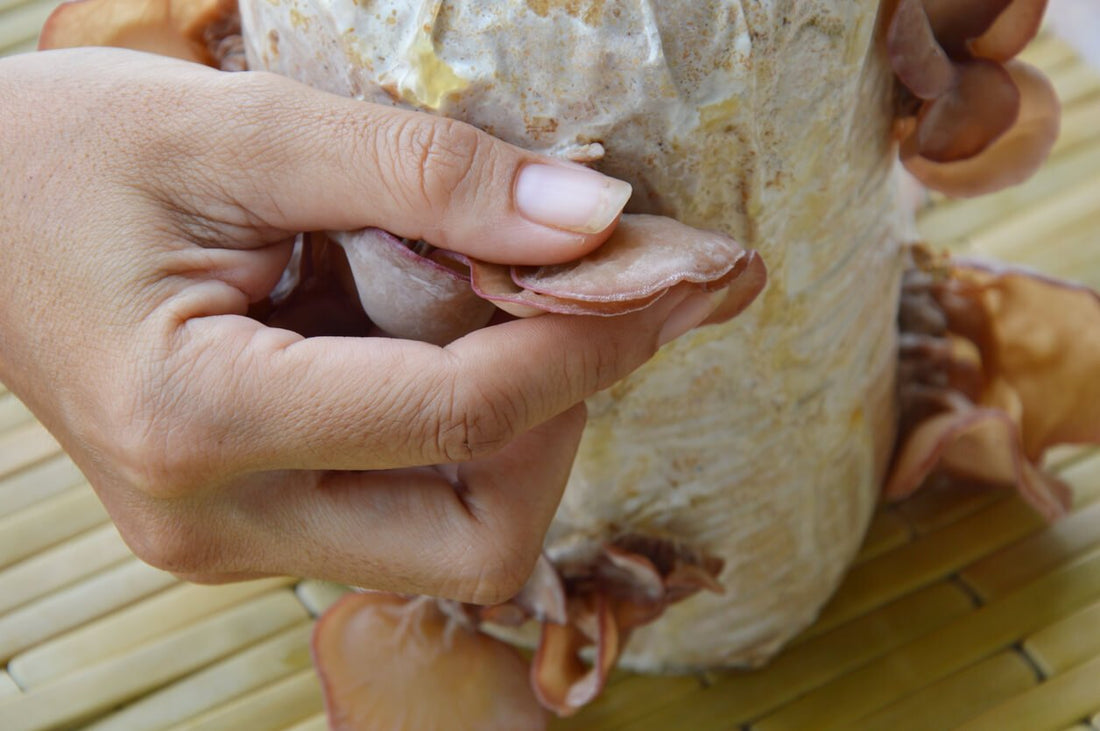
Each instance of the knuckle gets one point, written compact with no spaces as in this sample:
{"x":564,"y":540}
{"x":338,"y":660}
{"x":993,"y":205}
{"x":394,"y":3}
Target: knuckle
{"x":496,"y":574}
{"x":168,"y":542}
{"x":144,"y":459}
{"x":152,"y":447}
{"x":475,"y":423}
{"x":438,"y":155}
{"x":602,"y":367}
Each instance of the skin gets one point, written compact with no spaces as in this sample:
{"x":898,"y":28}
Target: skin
{"x":146,"y":202}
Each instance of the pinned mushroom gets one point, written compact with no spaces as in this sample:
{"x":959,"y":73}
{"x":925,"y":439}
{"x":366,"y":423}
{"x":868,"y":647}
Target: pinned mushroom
{"x":409,"y":294}
{"x":644,"y":258}
{"x":379,"y":655}
{"x":1012,"y":157}
{"x":982,"y":121}
{"x":202,"y":31}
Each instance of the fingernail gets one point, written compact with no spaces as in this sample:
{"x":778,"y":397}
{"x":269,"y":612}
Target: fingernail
{"x":572,"y":198}
{"x":690,"y":314}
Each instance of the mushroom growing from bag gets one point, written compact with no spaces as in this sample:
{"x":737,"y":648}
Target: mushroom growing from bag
{"x":720,"y":492}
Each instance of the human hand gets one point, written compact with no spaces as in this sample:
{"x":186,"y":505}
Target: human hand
{"x":148,"y":202}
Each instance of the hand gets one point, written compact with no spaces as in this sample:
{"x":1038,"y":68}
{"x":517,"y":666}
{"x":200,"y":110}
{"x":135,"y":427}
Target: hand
{"x":147,"y":202}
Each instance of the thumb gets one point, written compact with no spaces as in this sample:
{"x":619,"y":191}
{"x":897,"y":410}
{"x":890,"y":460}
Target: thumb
{"x":300,"y":159}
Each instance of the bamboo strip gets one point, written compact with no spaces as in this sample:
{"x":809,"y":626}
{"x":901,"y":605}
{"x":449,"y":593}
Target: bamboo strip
{"x":1079,"y":128}
{"x":27,"y":46}
{"x":1066,"y":455}
{"x":927,"y":559}
{"x":1015,"y":234}
{"x":23,"y":23}
{"x":1070,"y":641}
{"x":38,"y":483}
{"x":943,"y":651}
{"x":317,"y":596}
{"x":1024,"y":561}
{"x":131,"y":627}
{"x":122,"y":678}
{"x":24,"y":446}
{"x":313,"y":723}
{"x":7,"y":685}
{"x":1048,"y":52}
{"x":660,"y":703}
{"x":256,"y":667}
{"x":1058,"y":702}
{"x":61,"y":566}
{"x":1015,"y":565}
{"x":935,"y":505}
{"x":79,"y":604}
{"x":1075,"y":83}
{"x":1071,"y":254}
{"x":886,"y":532}
{"x":956,"y":698}
{"x":48,"y":523}
{"x":274,"y":707}
{"x":951,"y":223}
{"x":13,"y":412}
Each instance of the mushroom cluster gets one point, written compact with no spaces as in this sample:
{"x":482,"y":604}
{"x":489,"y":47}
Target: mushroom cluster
{"x":997,"y":365}
{"x":972,"y":119}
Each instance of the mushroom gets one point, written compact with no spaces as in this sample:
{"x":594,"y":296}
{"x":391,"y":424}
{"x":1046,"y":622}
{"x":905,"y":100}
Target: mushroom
{"x":203,"y":31}
{"x":372,"y":649}
{"x":998,"y":364}
{"x":975,"y":121}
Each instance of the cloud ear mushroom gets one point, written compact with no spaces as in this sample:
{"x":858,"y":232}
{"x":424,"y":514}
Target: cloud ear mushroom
{"x":202,"y":31}
{"x":973,"y":121}
{"x":1011,"y":158}
{"x":997,"y":366}
{"x":387,"y":662}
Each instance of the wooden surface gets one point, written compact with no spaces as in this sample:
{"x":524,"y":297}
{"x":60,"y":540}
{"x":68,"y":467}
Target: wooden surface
{"x":963,"y":610}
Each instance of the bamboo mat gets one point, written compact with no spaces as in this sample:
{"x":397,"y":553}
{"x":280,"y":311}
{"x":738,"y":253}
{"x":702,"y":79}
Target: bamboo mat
{"x":963,"y":609}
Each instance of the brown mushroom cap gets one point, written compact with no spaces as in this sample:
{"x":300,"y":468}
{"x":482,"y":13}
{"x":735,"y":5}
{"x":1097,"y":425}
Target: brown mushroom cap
{"x":167,"y":27}
{"x":1008,"y":160}
{"x":387,"y":662}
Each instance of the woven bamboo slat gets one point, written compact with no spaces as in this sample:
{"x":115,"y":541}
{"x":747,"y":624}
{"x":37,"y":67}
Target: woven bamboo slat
{"x":317,"y":596}
{"x":13,"y":412}
{"x":7,"y":685}
{"x":35,"y":484}
{"x":313,"y":723}
{"x":275,"y":706}
{"x":21,"y":23}
{"x":957,"y":697}
{"x":944,"y":651}
{"x":45,"y":524}
{"x":257,"y":667}
{"x":1070,"y":641}
{"x":24,"y":446}
{"x":61,"y":566}
{"x":1056,"y":702}
{"x":1012,"y":566}
{"x":123,"y":630}
{"x":887,"y":531}
{"x":661,"y":703}
{"x":936,"y":506}
{"x":76,"y":605}
{"x":85,"y":694}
